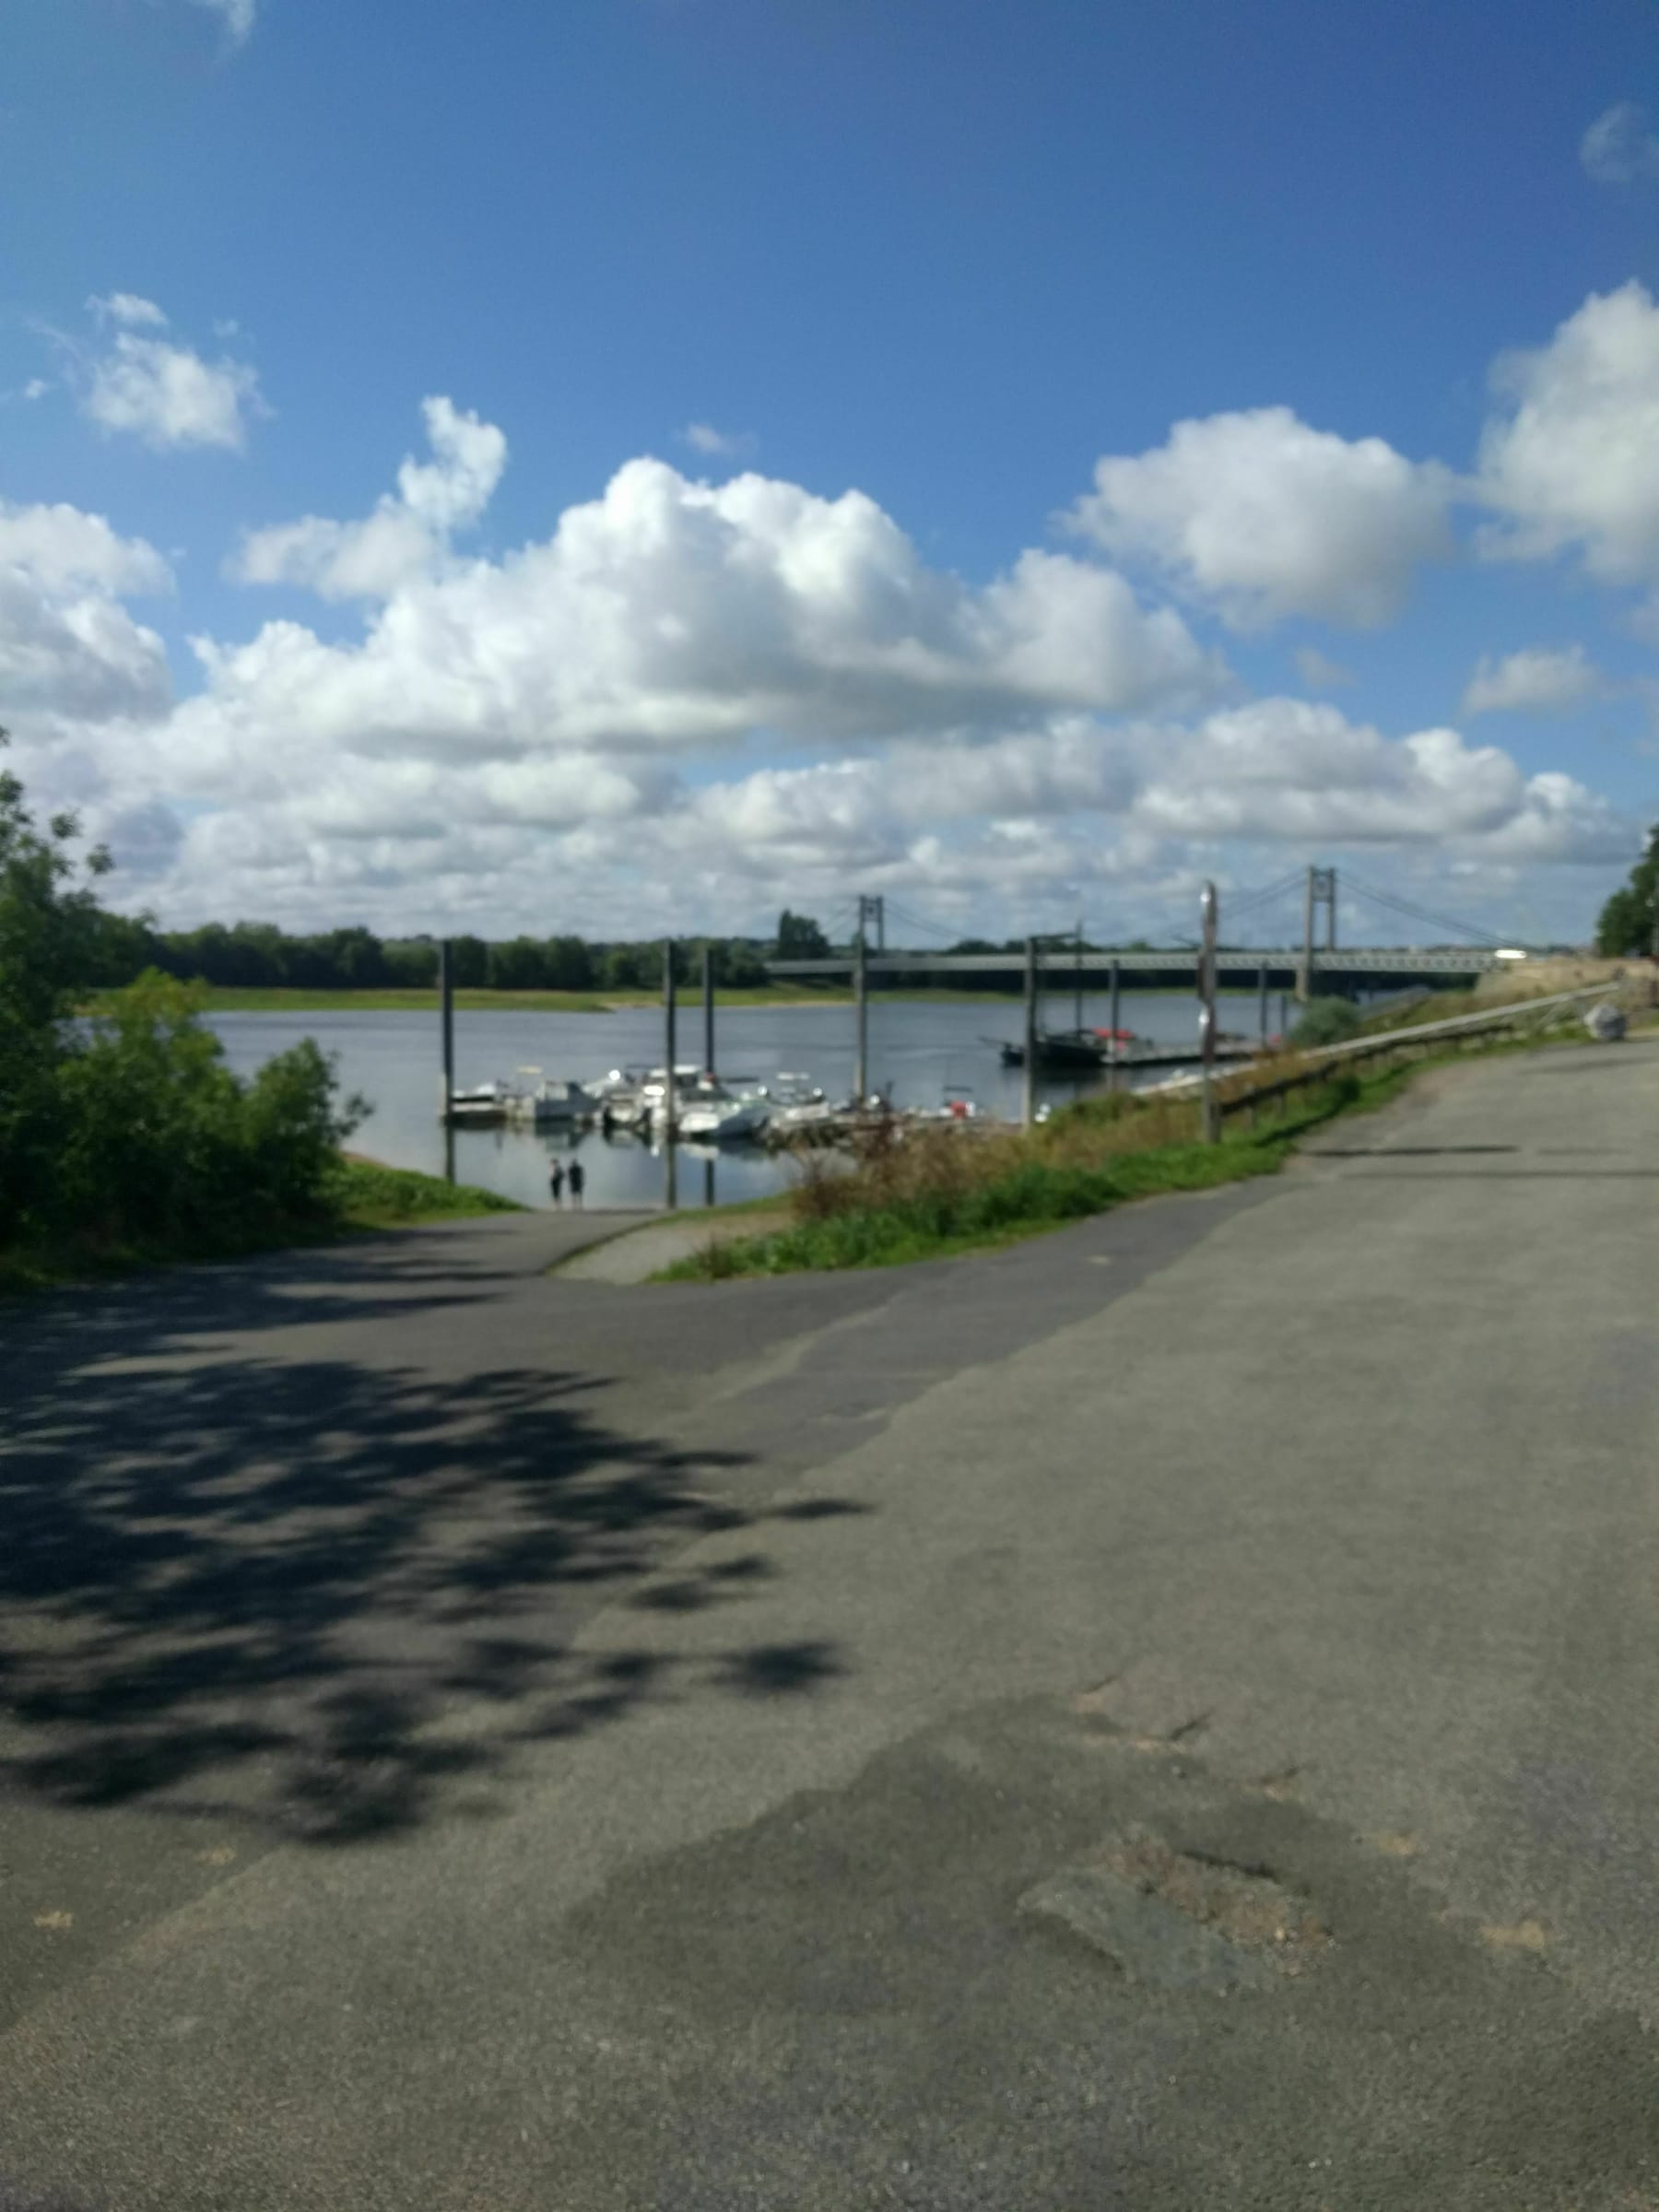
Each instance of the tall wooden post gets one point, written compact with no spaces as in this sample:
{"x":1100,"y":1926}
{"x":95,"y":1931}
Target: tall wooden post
{"x":860,"y":1020}
{"x":448,"y":1045}
{"x":1210,"y":1111}
{"x":670,"y":1104}
{"x":708,"y":983}
{"x":1262,"y":1008}
{"x":1029,"y":1112}
{"x":1117,"y":997}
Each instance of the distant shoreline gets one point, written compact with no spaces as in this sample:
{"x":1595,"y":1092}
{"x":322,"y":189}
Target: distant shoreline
{"x":222,"y":998}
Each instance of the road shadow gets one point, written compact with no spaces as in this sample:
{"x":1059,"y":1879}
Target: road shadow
{"x":331,"y":1599}
{"x":373,"y":1275}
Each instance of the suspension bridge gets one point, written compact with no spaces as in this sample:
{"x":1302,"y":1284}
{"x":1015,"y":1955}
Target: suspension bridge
{"x":1305,"y":960}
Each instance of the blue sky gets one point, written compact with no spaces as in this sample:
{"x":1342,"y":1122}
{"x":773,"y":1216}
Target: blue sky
{"x":950,"y":256}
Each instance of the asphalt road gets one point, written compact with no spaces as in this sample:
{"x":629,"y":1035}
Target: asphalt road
{"x":1162,"y":1717}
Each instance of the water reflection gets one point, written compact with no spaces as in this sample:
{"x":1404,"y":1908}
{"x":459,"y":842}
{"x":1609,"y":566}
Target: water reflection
{"x":918,"y":1052}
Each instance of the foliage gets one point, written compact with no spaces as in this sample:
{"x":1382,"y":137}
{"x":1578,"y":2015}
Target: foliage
{"x":1327,"y":1021}
{"x":257,"y":956}
{"x":1629,"y":921}
{"x":47,"y":923}
{"x":935,"y":1193}
{"x":157,"y":1145}
{"x":369,"y":1194}
{"x":128,"y":1130}
{"x":800,"y":939}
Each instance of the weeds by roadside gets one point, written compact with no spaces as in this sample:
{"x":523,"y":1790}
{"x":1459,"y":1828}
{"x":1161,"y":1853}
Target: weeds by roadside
{"x":932,"y":1192}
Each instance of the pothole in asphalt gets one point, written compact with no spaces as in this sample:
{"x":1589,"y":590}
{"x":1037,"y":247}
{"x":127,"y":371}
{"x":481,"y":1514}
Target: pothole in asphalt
{"x":1178,"y":1920}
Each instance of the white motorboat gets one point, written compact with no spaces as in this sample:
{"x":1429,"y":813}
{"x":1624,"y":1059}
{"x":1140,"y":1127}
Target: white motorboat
{"x":481,"y":1107}
{"x":552,"y":1102}
{"x":704,"y":1106}
{"x":703,"y":1115}
{"x":799,"y":1103}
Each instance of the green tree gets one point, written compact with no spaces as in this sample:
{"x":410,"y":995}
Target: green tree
{"x":49,"y":948}
{"x":159,"y":1143}
{"x":1629,"y":921}
{"x":569,"y":964}
{"x":800,"y":939}
{"x":632,"y":967}
{"x":411,"y":963}
{"x":129,"y":1126}
{"x":469,"y":963}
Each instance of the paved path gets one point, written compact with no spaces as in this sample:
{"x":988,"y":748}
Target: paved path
{"x":1162,"y":1717}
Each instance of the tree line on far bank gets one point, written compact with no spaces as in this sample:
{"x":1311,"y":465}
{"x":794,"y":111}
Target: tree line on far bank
{"x":259,"y":956}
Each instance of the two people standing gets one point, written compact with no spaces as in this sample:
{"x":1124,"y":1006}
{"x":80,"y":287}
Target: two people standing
{"x":558,"y":1175}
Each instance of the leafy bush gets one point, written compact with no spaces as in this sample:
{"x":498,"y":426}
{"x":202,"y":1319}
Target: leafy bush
{"x":130,"y":1130}
{"x":1327,"y":1021}
{"x":159,"y":1143}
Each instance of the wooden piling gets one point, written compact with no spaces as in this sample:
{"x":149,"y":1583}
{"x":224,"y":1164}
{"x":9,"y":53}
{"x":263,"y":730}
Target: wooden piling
{"x":1028,"y":1112}
{"x":861,"y":1022}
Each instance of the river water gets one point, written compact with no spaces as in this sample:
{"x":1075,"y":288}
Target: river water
{"x":920,"y":1049}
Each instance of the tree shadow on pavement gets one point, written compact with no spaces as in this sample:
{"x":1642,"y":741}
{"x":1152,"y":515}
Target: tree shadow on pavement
{"x":333,"y":1599}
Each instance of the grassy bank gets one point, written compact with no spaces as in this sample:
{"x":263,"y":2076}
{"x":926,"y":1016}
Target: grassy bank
{"x":944,"y":1192}
{"x":366,"y":1197}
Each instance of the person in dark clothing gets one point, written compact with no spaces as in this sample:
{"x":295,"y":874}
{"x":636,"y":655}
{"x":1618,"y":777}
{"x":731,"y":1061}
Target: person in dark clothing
{"x":578,"y":1178}
{"x":556,"y":1181}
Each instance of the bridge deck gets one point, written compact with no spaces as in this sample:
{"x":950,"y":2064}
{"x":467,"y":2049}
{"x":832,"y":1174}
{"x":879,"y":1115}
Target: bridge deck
{"x":1058,"y":966}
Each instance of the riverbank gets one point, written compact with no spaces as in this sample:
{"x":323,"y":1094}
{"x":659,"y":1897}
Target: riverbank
{"x":367,"y":1197}
{"x":949,"y":1194}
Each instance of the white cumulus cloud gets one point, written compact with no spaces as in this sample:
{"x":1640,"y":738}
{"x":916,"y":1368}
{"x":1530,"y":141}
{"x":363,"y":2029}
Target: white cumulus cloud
{"x":238,"y":16}
{"x":703,"y":438}
{"x":1266,"y":517}
{"x":1620,"y":147}
{"x":160,"y":390}
{"x":128,"y":308}
{"x":407,"y":537}
{"x":1534,"y":681}
{"x":1571,"y":459}
{"x":669,"y":614}
{"x":70,"y":654}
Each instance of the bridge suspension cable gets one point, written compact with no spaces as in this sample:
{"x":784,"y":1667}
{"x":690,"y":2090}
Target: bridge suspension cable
{"x":1462,"y":929}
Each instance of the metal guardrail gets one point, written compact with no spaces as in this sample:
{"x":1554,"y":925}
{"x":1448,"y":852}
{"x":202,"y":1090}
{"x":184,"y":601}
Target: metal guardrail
{"x":1318,"y":1061}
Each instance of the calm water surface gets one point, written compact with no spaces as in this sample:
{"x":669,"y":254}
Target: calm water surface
{"x":919,"y":1050}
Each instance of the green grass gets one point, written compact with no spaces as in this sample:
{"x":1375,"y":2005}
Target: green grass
{"x":367,"y":1197}
{"x":372,"y":1196}
{"x":1039,"y":1192}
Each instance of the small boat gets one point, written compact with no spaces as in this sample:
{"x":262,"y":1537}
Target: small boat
{"x":482,"y":1107}
{"x":957,"y":1103}
{"x":1073,"y":1048}
{"x":712,"y":1109}
{"x":551,"y":1101}
{"x":703,"y":1105}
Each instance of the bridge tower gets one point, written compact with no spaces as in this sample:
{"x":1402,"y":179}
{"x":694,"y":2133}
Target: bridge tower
{"x":1320,"y":892}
